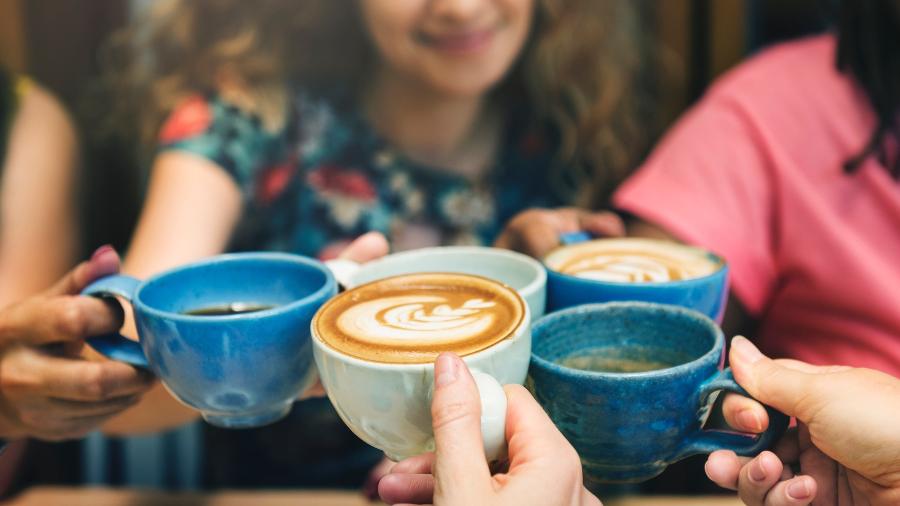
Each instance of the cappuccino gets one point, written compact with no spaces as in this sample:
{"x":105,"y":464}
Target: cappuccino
{"x":632,"y":260}
{"x":412,"y":318}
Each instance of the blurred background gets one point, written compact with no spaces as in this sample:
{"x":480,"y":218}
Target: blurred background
{"x":58,"y":42}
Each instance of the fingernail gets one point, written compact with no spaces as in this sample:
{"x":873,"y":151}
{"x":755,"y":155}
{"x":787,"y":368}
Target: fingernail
{"x":446,"y":369}
{"x":757,"y":473}
{"x":102,"y":250}
{"x":746,"y":350}
{"x":749,"y":420}
{"x":798,"y":490}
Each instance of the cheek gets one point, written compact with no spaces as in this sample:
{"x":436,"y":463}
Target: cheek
{"x":390,"y":24}
{"x":519,"y":15}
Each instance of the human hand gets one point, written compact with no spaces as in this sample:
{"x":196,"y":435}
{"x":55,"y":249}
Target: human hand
{"x":47,"y":389}
{"x":846,"y":449}
{"x":543,"y":467}
{"x":536,"y":231}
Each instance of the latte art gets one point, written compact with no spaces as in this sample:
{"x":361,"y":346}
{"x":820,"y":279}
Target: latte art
{"x":632,"y":261}
{"x":423,"y":318}
{"x":413,"y":318}
{"x":626,"y":267}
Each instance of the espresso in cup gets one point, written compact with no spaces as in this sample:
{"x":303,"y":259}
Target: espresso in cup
{"x":232,"y":308}
{"x":375,"y":347}
{"x":412,"y":319}
{"x":637,"y":269}
{"x":228,"y":336}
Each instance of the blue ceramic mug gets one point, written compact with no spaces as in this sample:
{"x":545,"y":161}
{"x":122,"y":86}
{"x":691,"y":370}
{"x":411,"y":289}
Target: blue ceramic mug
{"x":628,"y":426}
{"x":228,"y":336}
{"x":584,"y":271}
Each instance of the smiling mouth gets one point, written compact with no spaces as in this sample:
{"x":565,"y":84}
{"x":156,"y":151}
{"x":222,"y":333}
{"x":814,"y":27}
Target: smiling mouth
{"x":462,"y":43}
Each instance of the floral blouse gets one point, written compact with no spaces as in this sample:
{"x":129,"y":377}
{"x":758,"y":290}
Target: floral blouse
{"x":327,"y":177}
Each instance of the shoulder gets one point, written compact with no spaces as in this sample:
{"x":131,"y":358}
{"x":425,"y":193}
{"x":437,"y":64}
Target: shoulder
{"x":39,"y":112}
{"x":801,"y":72}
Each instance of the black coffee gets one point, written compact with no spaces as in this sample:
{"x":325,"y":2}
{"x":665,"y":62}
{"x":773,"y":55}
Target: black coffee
{"x":624,"y":359}
{"x":229,"y":309}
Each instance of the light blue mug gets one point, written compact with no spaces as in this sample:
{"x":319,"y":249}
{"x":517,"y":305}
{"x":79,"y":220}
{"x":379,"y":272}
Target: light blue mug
{"x":243,"y":369}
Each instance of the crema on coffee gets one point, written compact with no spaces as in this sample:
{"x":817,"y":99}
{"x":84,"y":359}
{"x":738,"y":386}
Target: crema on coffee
{"x":632,"y":260}
{"x":413,"y":318}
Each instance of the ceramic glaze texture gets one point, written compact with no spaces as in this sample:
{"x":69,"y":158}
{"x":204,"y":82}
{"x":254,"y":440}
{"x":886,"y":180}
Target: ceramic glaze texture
{"x":630,"y":426}
{"x":389,"y":405}
{"x":518,"y":271}
{"x":238,"y":370}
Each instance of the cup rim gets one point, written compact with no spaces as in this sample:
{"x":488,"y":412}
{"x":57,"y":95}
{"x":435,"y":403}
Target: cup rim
{"x":536,"y":266}
{"x":521,"y":329}
{"x":329,"y":285}
{"x":713,"y":353}
{"x":722,"y":268}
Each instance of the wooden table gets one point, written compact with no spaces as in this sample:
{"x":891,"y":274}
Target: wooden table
{"x":62,"y":496}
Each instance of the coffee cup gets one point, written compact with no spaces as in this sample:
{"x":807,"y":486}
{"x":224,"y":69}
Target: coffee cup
{"x":523,"y":273}
{"x":630,"y":386}
{"x":227,"y":336}
{"x":375,"y":347}
{"x":649,"y":270}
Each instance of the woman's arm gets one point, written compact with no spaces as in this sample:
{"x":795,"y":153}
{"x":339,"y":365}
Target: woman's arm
{"x":38,"y":212}
{"x":191,"y":209}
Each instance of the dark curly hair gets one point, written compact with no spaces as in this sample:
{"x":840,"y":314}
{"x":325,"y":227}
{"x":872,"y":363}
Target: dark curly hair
{"x":869,"y":50}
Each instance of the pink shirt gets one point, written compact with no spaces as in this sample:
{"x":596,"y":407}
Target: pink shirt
{"x":754,"y":172}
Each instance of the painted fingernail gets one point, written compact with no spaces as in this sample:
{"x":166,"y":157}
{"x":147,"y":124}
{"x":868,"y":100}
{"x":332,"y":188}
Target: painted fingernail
{"x":798,"y":490}
{"x":446,"y":369}
{"x":757,"y":473}
{"x":746,"y":350}
{"x":749,"y":420}
{"x":102,"y":250}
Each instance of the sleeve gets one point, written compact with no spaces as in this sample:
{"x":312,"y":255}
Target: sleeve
{"x":223,"y":134}
{"x":710,"y":183}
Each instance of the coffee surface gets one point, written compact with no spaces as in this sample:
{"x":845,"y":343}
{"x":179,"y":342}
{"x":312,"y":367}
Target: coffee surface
{"x":632,"y":261}
{"x":625,"y":359}
{"x":413,"y":318}
{"x":228,"y":309}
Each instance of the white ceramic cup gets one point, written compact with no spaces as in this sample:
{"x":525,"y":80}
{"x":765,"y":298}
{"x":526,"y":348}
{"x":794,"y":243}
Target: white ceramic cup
{"x":521,"y":272}
{"x":389,"y":405}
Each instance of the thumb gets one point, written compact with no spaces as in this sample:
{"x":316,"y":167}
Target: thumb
{"x":103,"y":262}
{"x":460,"y":469}
{"x":787,"y":389}
{"x":366,"y":247}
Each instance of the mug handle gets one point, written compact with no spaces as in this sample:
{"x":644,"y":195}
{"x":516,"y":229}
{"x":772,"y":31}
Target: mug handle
{"x":493,"y":415}
{"x":116,"y":346}
{"x":575,"y":237}
{"x":708,"y":441}
{"x":343,"y":270}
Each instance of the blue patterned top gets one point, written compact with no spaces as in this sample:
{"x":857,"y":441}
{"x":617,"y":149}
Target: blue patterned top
{"x":327,"y":177}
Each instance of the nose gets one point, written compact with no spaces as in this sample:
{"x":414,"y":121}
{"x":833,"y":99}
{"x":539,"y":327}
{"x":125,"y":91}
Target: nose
{"x":458,"y":10}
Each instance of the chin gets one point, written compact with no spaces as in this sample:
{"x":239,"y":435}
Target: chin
{"x":469,"y":84}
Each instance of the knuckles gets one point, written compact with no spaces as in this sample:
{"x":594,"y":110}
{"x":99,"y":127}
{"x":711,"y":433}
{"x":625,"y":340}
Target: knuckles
{"x":70,"y":319}
{"x":450,"y":413}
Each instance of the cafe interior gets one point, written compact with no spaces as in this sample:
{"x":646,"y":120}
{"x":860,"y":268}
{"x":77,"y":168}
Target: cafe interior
{"x":70,"y":50}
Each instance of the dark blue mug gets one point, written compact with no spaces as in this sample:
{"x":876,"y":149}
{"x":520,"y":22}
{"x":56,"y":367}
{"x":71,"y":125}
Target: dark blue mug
{"x":705,"y":293}
{"x":628,"y":426}
{"x":228,"y":336}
